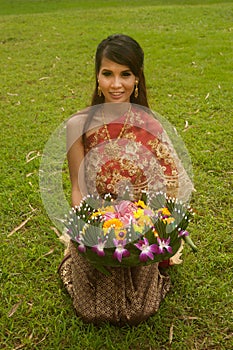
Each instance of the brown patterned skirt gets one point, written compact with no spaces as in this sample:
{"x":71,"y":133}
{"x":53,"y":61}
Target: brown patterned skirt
{"x":127,"y":296}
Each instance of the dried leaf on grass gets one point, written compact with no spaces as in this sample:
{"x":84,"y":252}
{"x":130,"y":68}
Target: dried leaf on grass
{"x":30,"y":156}
{"x":43,"y":78}
{"x":171,"y":334}
{"x":30,"y":304}
{"x":19,"y":346}
{"x":187,"y":126}
{"x":189,"y":318}
{"x":14,"y":309}
{"x":11,"y":94}
{"x":229,"y":336}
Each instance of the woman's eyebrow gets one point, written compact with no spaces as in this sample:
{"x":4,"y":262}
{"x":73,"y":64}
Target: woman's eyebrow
{"x":109,"y":70}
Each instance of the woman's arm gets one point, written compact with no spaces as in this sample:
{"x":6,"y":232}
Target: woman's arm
{"x":75,"y":156}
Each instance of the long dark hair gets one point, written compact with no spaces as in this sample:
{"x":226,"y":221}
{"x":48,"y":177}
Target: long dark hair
{"x":124,"y":50}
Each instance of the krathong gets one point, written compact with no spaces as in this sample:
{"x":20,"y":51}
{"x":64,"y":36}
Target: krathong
{"x":129,"y":233}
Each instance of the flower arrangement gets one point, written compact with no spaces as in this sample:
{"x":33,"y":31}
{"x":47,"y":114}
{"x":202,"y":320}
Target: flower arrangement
{"x":129,"y":233}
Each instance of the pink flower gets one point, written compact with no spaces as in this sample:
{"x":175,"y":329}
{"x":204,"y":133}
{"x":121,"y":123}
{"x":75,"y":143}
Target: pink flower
{"x":99,"y":248}
{"x":108,"y":216}
{"x":81,"y":246}
{"x":120,"y":250}
{"x":183,"y":233}
{"x":148,"y":212}
{"x":146,"y":249}
{"x":164,"y":244}
{"x":125,"y":212}
{"x":127,"y":219}
{"x":125,"y":207}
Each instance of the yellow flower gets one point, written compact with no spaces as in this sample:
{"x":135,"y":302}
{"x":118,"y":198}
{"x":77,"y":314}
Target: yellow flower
{"x":102,"y":211}
{"x":141,"y":204}
{"x":116,"y":223}
{"x":97,"y":213}
{"x":165,"y":211}
{"x":144,"y":220}
{"x":155,"y":233}
{"x":138,"y":228}
{"x":168,"y":220}
{"x":109,"y":209}
{"x":137,"y":214}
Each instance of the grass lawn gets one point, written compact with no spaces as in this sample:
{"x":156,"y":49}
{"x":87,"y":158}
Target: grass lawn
{"x":47,"y":73}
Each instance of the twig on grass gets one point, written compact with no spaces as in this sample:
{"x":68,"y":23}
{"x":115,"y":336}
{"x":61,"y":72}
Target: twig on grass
{"x":42,"y":339}
{"x":50,"y":252}
{"x":20,"y":226}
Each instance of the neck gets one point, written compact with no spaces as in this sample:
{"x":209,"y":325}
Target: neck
{"x":113,"y":111}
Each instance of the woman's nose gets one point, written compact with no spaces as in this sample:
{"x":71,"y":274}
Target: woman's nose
{"x":116,"y":82}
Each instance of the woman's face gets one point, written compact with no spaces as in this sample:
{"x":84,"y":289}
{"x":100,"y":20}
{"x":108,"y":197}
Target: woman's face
{"x":115,"y":81}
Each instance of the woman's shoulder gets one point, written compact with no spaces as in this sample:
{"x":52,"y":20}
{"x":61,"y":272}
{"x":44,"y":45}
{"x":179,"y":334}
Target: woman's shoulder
{"x":147,"y":119}
{"x":75,"y":127}
{"x":77,"y":119}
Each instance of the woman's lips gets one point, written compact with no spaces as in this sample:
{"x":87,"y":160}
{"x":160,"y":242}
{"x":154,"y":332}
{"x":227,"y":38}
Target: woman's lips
{"x":116,"y":95}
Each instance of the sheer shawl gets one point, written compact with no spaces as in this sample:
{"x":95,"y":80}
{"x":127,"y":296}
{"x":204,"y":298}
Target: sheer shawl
{"x":142,"y":158}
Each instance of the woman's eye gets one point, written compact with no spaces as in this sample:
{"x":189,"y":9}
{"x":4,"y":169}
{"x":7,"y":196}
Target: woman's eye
{"x":109,"y":73}
{"x":106,"y":74}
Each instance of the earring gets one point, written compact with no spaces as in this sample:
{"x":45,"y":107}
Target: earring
{"x":99,"y":90}
{"x":136,"y":89}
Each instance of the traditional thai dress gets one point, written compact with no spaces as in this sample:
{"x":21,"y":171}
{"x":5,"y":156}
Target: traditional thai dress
{"x":142,"y":158}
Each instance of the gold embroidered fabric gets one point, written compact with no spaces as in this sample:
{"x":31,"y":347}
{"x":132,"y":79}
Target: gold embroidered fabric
{"x":142,"y":159}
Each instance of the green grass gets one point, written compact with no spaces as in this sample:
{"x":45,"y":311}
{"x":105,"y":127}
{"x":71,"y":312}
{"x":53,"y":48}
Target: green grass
{"x":47,"y":73}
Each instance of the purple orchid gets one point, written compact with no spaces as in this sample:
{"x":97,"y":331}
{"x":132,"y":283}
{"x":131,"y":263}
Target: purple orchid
{"x":81,"y":246}
{"x":146,"y":249}
{"x":183,"y":233}
{"x":120,"y":250}
{"x":99,"y":248}
{"x":164,"y":244}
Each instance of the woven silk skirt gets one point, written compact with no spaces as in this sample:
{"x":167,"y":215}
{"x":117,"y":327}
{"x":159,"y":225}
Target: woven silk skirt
{"x":127,"y":296}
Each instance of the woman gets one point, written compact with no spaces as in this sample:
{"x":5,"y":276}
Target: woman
{"x":113,"y":145}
